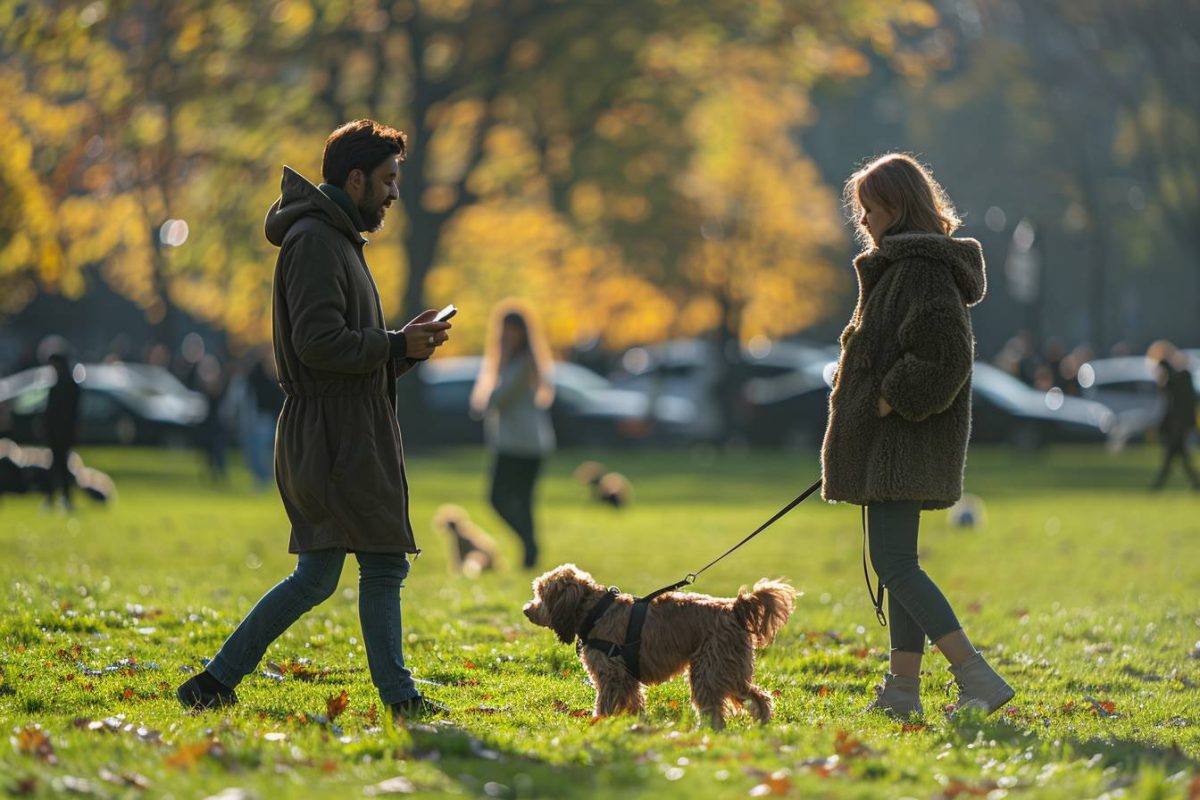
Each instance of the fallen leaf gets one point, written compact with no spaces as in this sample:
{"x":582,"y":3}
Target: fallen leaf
{"x":1104,"y":708}
{"x":24,"y":787}
{"x":337,"y":704}
{"x":777,"y":785}
{"x":910,"y":727}
{"x":958,"y":788}
{"x":130,"y":779}
{"x":468,"y":664}
{"x":823,"y":691}
{"x":563,"y":708}
{"x":824,"y":766}
{"x":847,"y":746}
{"x":301,"y":669}
{"x":127,"y":694}
{"x":33,"y":741}
{"x":189,"y":754}
{"x":486,"y":710}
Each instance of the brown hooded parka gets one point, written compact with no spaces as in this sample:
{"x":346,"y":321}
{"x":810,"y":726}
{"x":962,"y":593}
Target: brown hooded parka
{"x":339,"y":461}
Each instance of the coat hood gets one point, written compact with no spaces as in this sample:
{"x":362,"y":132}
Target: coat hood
{"x":299,"y":198}
{"x":962,"y":257}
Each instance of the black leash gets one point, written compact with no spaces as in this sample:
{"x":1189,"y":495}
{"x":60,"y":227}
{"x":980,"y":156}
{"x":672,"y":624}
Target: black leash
{"x":629,"y":651}
{"x":691,"y":577}
{"x":876,"y":597}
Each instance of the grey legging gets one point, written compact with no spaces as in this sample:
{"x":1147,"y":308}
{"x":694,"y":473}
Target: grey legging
{"x":916,"y":607}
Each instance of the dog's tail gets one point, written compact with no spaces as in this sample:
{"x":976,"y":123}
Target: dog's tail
{"x":763,"y":610}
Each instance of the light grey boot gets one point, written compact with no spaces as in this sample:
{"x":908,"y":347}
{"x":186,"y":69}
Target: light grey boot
{"x":979,"y":686}
{"x":898,"y":696}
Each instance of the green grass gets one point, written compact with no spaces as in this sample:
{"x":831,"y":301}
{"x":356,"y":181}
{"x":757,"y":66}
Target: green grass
{"x":1081,"y":586}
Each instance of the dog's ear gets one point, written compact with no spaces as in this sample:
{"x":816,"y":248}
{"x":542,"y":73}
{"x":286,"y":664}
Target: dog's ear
{"x":562,"y":597}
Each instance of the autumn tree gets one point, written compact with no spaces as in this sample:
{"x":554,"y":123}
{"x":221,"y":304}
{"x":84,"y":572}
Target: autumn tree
{"x":632,"y":167}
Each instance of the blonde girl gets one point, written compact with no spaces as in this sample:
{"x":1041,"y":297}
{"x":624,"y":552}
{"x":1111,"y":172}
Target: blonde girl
{"x":513,"y":394}
{"x":900,"y":412}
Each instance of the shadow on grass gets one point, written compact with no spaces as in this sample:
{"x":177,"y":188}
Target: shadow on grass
{"x":1127,"y":755}
{"x":483,"y":768}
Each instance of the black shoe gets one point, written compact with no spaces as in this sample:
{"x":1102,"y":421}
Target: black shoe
{"x":418,"y":707}
{"x":204,"y":691}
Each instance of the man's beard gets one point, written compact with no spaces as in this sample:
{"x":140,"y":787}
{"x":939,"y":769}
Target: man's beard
{"x":372,"y":214}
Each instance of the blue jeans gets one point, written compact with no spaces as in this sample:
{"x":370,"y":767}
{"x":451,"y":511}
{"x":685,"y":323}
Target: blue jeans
{"x":380,"y":577}
{"x":259,"y":446}
{"x":916,"y":606}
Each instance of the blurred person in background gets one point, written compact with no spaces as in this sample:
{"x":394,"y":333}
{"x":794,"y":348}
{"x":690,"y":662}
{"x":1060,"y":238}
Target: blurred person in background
{"x":187,"y":366}
{"x":339,"y":461}
{"x":212,"y":434}
{"x":262,"y":406}
{"x":1179,"y":415}
{"x":513,"y":394}
{"x":900,"y":414}
{"x":62,"y":428}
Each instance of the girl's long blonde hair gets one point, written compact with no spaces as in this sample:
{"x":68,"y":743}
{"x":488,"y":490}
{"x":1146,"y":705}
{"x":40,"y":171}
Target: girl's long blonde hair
{"x":899,"y":183}
{"x":536,"y":347}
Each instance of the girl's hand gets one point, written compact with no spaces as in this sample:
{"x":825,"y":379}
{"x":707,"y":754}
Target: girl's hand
{"x":884,"y":408}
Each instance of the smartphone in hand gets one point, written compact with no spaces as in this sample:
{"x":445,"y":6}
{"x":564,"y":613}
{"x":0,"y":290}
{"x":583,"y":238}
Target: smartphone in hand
{"x":446,"y":313}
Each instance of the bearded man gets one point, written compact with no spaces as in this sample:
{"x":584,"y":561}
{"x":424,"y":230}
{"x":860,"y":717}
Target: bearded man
{"x":339,"y":462}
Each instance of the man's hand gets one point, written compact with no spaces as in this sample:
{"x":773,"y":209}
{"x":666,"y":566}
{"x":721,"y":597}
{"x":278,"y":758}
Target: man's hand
{"x":884,"y":408}
{"x":422,"y":335}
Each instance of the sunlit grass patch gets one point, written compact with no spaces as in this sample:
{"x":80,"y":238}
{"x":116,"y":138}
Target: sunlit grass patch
{"x":1080,"y":587}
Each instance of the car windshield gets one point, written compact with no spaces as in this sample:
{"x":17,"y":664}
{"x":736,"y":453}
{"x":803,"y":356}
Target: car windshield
{"x":1002,"y":388}
{"x":142,"y":380}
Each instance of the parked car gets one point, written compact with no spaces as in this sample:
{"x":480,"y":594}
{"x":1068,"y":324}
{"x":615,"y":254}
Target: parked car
{"x":1129,"y":386}
{"x":690,"y":369}
{"x":788,"y":410}
{"x":1006,"y":410}
{"x":587,"y":409}
{"x":118,"y":404}
{"x":791,"y":411}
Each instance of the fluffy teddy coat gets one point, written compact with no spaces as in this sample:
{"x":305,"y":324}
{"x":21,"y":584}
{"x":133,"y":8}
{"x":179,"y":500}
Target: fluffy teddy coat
{"x":910,"y":342}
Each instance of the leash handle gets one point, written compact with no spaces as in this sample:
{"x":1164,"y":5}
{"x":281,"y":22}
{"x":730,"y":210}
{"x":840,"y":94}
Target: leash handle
{"x":691,"y":577}
{"x":876,"y":598}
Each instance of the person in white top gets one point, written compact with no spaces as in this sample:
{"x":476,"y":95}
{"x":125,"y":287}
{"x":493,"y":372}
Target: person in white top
{"x":513,"y":394}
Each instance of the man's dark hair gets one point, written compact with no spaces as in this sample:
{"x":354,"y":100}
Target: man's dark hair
{"x":362,"y":144}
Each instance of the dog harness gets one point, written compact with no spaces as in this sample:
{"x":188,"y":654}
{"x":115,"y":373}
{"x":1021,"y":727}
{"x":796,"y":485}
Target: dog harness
{"x":630,"y":651}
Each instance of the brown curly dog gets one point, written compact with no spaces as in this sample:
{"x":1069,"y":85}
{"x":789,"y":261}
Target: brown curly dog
{"x":714,"y":638}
